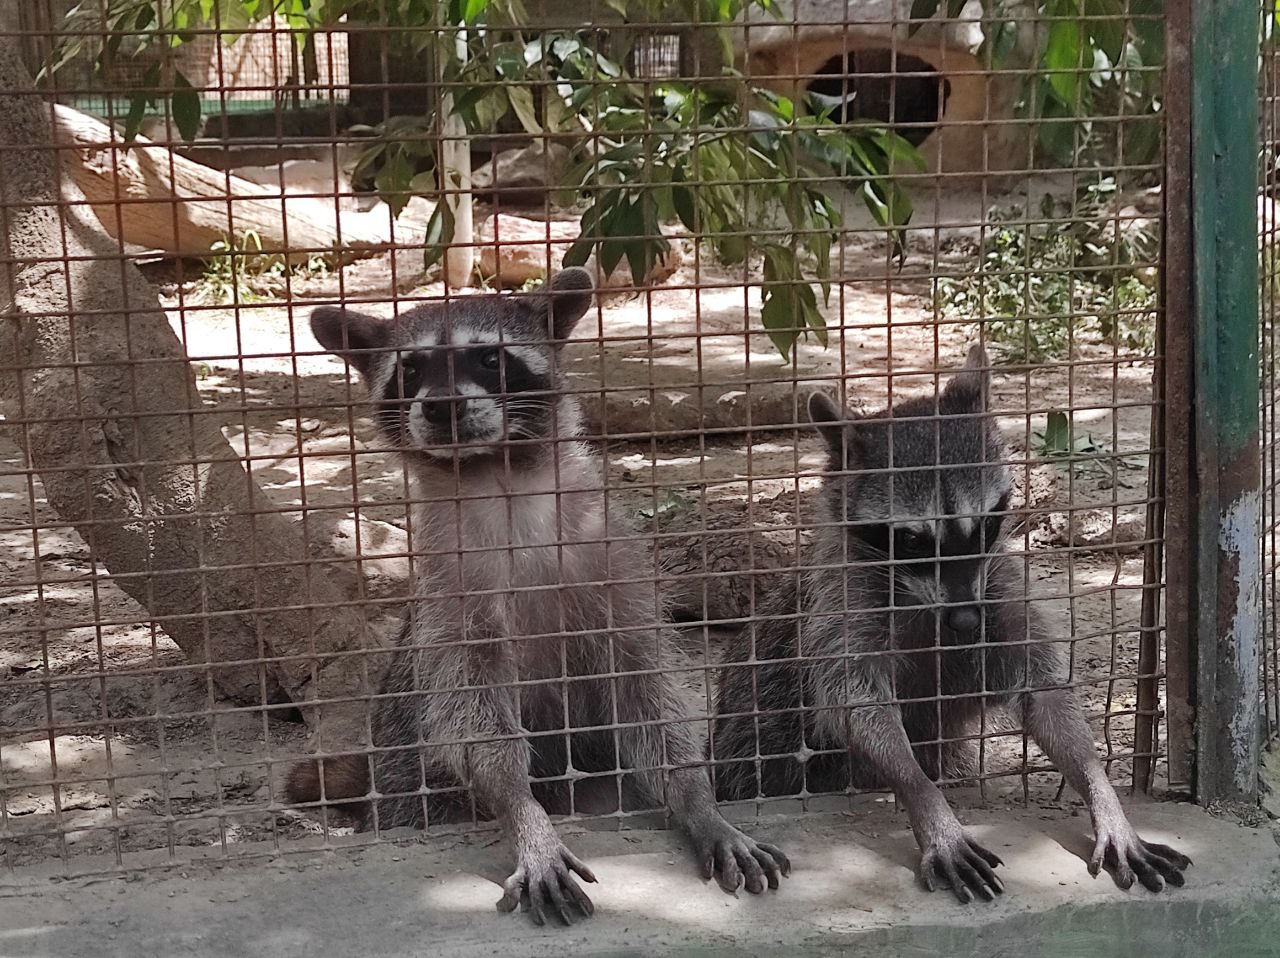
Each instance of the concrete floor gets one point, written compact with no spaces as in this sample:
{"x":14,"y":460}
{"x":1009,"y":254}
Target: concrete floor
{"x":852,"y":892}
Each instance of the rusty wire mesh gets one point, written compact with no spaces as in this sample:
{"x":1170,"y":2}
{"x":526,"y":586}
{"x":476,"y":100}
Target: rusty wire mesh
{"x":1267,"y":168}
{"x":119,"y":749}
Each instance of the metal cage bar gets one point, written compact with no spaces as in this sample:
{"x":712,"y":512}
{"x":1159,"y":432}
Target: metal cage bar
{"x":1223,"y":474}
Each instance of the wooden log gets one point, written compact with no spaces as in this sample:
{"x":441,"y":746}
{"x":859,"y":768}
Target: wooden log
{"x":149,"y":196}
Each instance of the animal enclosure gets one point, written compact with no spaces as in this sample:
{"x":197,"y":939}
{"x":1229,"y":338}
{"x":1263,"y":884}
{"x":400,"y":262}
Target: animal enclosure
{"x":208,"y":542}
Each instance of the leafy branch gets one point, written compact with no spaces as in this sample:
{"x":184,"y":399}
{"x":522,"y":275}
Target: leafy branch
{"x":1094,"y":58}
{"x":745,"y":170}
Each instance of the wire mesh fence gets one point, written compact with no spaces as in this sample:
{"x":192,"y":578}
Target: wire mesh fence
{"x":250,"y":520}
{"x":1267,"y":274}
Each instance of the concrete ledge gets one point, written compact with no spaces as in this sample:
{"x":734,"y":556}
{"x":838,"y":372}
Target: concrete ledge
{"x":852,"y":892}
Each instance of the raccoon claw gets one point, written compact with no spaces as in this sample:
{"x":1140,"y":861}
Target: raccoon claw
{"x":964,"y":866}
{"x":1127,"y":858}
{"x":735,"y":860}
{"x":544,"y":882}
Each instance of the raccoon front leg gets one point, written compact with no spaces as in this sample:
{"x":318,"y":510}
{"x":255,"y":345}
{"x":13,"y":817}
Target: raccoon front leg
{"x":490,"y":751}
{"x":876,"y":736}
{"x":1054,"y":720}
{"x":657,"y":732}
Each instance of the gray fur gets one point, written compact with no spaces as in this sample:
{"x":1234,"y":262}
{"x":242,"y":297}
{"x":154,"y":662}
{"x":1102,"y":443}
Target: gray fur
{"x":871,"y":672}
{"x":535,"y":613}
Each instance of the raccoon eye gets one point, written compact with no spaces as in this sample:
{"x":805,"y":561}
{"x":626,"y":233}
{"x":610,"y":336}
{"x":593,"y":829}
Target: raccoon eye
{"x":490,"y":359}
{"x":911,"y":543}
{"x":410,"y":370}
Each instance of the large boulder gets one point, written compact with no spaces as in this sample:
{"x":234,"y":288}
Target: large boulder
{"x":516,"y":174}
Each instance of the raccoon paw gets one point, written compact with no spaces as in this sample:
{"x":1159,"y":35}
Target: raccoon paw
{"x":1126,"y":857}
{"x":735,"y":859}
{"x":543,"y":881}
{"x":961,"y":864}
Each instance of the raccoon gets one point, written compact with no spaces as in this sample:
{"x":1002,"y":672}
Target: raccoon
{"x":535,"y":642}
{"x":908,"y":619}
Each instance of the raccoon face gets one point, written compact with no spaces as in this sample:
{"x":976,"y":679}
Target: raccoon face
{"x":467,"y":378}
{"x":924,"y":491}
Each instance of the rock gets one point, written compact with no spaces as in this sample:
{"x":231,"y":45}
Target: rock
{"x":1095,"y":530}
{"x":534,"y":169}
{"x":515,"y":250}
{"x":380,"y":549}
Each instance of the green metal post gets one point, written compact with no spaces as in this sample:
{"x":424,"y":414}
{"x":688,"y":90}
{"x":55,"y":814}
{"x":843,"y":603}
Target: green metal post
{"x":1225,"y":524}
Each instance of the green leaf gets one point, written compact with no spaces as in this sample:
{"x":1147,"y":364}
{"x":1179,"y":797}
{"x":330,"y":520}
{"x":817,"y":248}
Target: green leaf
{"x":233,"y":18}
{"x":921,"y":10}
{"x":522,"y":102}
{"x":682,"y":200}
{"x":186,"y":107}
{"x":137,"y":112}
{"x":423,"y":184}
{"x":624,"y":223}
{"x":777,"y":317}
{"x":439,"y":235}
{"x":1105,"y":22}
{"x":643,"y":253}
{"x":810,"y":313}
{"x":1062,"y":62}
{"x":392,"y":181}
{"x":465,"y":100}
{"x":139,"y":101}
{"x":579,"y":252}
{"x":490,"y":109}
{"x":1057,"y":434}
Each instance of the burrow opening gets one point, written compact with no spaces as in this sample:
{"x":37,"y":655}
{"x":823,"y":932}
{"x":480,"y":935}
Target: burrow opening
{"x":900,"y":90}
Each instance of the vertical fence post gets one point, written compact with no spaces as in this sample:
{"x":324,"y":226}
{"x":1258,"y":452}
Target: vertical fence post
{"x":1224,"y":477}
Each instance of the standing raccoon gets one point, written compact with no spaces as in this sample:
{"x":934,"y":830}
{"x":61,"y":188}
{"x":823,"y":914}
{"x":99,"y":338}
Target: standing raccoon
{"x":909,"y":618}
{"x":535,"y":641}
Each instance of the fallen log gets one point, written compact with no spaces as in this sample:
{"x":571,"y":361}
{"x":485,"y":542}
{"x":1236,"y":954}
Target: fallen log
{"x":149,"y":196}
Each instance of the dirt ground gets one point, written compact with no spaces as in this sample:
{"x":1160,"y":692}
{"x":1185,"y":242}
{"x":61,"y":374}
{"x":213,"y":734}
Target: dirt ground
{"x":111,"y":746}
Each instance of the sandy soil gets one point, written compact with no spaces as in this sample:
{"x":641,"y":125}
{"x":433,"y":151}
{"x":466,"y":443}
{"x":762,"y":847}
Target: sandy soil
{"x":110,"y":745}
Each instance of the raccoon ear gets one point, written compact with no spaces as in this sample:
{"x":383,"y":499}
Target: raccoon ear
{"x":970,"y":388}
{"x":568,"y":297}
{"x":353,"y":336}
{"x":831,"y":421}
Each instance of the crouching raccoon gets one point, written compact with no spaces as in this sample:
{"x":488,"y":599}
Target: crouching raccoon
{"x":535,"y":644}
{"x":907,"y":619}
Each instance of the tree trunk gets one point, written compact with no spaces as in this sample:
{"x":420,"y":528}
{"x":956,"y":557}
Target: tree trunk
{"x":95,"y":382}
{"x":455,"y":174}
{"x":149,"y":196}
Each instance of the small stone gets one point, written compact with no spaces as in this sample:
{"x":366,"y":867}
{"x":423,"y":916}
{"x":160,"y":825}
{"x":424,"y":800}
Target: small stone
{"x":535,"y":168}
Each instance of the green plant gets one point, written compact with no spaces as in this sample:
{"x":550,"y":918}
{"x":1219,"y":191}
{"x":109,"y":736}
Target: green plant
{"x":720,"y":155}
{"x":1076,"y":271}
{"x":742,"y":169}
{"x":1096,"y":58}
{"x":238,"y":271}
{"x":1081,"y":454}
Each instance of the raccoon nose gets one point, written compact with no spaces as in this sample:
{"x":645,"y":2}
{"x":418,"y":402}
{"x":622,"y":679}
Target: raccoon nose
{"x":441,"y":412}
{"x":963,"y":618}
